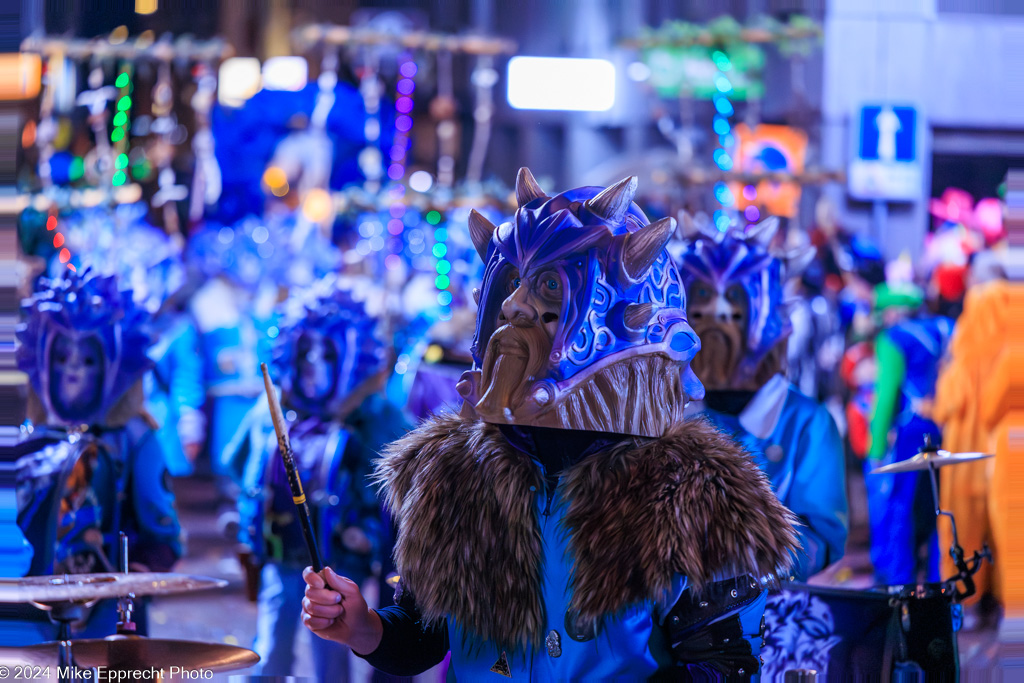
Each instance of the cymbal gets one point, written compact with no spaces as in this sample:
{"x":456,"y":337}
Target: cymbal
{"x":134,"y":652}
{"x":85,"y":587}
{"x":922,"y":461}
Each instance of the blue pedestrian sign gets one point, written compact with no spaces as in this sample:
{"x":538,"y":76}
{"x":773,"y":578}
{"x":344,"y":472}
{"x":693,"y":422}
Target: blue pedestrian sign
{"x":885,"y":164}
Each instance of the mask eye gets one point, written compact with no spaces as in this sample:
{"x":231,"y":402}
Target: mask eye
{"x":552,"y":284}
{"x":513,"y":282}
{"x":734,"y":294}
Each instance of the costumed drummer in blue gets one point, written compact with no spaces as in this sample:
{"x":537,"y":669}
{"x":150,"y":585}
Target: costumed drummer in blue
{"x":328,"y":360}
{"x":92,"y":465}
{"x":569,"y":524}
{"x":734,"y":295}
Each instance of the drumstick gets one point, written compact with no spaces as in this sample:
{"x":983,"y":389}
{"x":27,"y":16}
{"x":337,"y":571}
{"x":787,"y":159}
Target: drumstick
{"x":294,"y":482}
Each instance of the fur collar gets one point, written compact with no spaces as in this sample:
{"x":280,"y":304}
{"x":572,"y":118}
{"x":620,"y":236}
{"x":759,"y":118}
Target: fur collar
{"x":469,"y":544}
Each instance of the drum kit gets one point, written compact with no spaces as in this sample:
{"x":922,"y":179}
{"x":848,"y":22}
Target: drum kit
{"x":886,"y":633}
{"x":124,"y":655}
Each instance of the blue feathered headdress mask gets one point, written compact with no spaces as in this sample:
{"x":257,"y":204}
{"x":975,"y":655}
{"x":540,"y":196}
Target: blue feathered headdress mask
{"x":328,"y":309}
{"x":720,"y":259}
{"x":83,"y":306}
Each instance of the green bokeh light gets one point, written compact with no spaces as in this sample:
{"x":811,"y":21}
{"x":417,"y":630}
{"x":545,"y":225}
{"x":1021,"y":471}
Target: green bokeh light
{"x":444,"y":267}
{"x":442,"y":282}
{"x":433,"y":217}
{"x":124,"y":104}
{"x":120,"y":118}
{"x":121,"y":161}
{"x":117,"y":135}
{"x":440,"y":250}
{"x":77,"y":168}
{"x":122,"y":80}
{"x":142,"y":169}
{"x":119,"y":178}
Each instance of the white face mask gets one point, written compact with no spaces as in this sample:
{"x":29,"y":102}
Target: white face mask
{"x":77,"y":369}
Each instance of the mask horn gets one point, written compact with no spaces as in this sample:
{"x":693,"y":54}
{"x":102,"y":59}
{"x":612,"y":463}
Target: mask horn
{"x":480,"y":231}
{"x":613,"y":203}
{"x":688,"y":228}
{"x":764,"y":232}
{"x":527,"y":188}
{"x":797,"y":261}
{"x":643,"y":246}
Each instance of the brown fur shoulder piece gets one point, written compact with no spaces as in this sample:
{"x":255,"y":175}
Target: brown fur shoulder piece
{"x":469,"y":541}
{"x":692,"y":503}
{"x":469,"y":544}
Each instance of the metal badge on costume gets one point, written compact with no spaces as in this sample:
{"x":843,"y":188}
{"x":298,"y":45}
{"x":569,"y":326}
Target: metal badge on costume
{"x":327,"y":349}
{"x":734,"y":288}
{"x":581,"y":321}
{"x":83,"y":345}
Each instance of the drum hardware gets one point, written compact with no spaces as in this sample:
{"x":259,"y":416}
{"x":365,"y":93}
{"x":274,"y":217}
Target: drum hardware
{"x":126,"y":604}
{"x":127,"y":653}
{"x":66,"y":598}
{"x":930,"y":458}
{"x":926,"y":617}
{"x":42,"y":591}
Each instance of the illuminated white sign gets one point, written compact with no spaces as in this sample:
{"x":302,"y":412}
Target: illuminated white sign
{"x":561,"y":84}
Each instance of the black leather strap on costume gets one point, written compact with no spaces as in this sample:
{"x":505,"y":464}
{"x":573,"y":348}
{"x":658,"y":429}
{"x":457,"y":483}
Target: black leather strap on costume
{"x":706,"y":646}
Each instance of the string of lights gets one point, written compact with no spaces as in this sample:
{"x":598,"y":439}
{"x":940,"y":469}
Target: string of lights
{"x":397,"y":157}
{"x":726,"y":140}
{"x":122,"y":125}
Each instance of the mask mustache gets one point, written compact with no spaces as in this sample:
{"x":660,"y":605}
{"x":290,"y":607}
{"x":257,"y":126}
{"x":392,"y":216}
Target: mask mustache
{"x":514,"y":358}
{"x":721,"y":349}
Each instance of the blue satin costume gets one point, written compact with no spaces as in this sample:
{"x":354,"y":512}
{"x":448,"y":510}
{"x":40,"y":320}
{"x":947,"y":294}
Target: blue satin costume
{"x":798,"y":446}
{"x":175,"y":393}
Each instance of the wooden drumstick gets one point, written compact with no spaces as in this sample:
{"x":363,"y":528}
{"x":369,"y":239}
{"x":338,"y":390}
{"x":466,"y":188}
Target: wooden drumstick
{"x":294,"y":482}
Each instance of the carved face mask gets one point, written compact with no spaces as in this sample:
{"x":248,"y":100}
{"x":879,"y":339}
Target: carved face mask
{"x":316,"y":366}
{"x":581,"y":321}
{"x":719,"y":316}
{"x":735,"y":302}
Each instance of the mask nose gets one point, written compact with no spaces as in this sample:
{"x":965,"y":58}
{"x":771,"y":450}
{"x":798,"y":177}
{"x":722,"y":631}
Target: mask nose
{"x":723,"y":312}
{"x":518,"y":311}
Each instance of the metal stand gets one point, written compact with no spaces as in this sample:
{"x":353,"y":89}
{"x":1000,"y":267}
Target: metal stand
{"x":64,"y":614}
{"x":965,"y":568}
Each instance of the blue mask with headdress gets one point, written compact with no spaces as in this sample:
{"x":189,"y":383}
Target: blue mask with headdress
{"x":581,"y":321}
{"x":83,"y":344}
{"x":326,"y":350}
{"x":734,"y":288}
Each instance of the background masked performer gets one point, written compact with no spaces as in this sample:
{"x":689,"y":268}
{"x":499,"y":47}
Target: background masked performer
{"x":92,"y":464}
{"x":328,"y":360}
{"x":908,"y":352}
{"x":569,"y":524}
{"x":735,"y":302}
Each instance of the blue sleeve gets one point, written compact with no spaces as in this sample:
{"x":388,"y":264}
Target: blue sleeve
{"x":187,"y":389}
{"x":158,"y":544}
{"x":818,"y":495}
{"x":251,"y":496}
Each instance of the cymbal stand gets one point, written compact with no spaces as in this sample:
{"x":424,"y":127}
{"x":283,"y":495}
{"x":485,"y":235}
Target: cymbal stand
{"x":966,"y":568}
{"x":125,"y":605}
{"x":64,"y":614}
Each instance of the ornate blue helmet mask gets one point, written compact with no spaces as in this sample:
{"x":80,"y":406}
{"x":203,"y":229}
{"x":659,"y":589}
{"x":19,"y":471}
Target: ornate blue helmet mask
{"x":581,"y":320}
{"x":327,"y":350}
{"x":83,"y":345}
{"x":734,"y":288}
